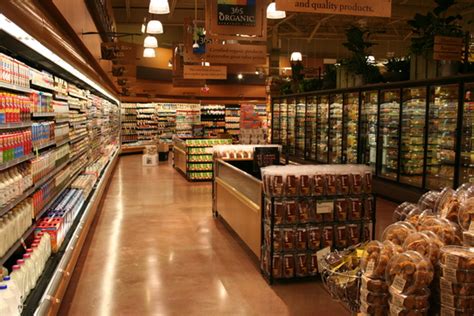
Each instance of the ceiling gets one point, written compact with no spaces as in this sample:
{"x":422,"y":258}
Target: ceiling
{"x":314,"y":34}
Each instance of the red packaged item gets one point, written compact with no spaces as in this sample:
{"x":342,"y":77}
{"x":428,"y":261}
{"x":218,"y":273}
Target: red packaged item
{"x":319,"y":186}
{"x":288,"y":239}
{"x":291,"y":185}
{"x":341,"y":236}
{"x":305,"y":184}
{"x":291,"y":212}
{"x":344,"y":184}
{"x":353,"y":234}
{"x":356,"y":183}
{"x":331,"y":184}
{"x":355,"y":209}
{"x":314,"y":237}
{"x":305,"y":210}
{"x":301,"y":238}
{"x":279,"y":211}
{"x":341,"y":206}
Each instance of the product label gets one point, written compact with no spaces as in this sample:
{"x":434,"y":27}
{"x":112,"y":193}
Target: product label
{"x":324,"y":207}
{"x":398,"y":284}
{"x":450,"y":274}
{"x":397,"y":300}
{"x":447,"y":312}
{"x":447,"y":300}
{"x":370,"y":267}
{"x":445,"y":285}
{"x":451,"y":261}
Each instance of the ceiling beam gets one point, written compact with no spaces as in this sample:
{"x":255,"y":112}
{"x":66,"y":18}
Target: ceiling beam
{"x":316,"y":28}
{"x":172,"y":7}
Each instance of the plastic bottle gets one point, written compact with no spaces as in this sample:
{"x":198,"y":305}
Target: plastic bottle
{"x":7,"y":301}
{"x":18,"y":277}
{"x":30,"y":270}
{"x":13,"y":288}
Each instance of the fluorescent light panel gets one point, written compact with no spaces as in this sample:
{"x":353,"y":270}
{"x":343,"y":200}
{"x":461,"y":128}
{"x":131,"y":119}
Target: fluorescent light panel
{"x":17,"y":32}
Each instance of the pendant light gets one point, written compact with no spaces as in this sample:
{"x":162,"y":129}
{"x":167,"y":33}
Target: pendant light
{"x":150,"y":42}
{"x":154,"y":27}
{"x":273,"y":13}
{"x":149,"y":53}
{"x":296,"y":56}
{"x":159,"y":7}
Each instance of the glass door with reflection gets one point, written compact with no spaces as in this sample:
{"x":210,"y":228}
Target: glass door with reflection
{"x":413,"y":136}
{"x":389,"y":133}
{"x":467,"y":140}
{"x":292,"y":126}
{"x":322,"y":122}
{"x":300,"y":127}
{"x":351,"y":127}
{"x":276,"y":127}
{"x":442,"y":126}
{"x":335,"y":129}
{"x":310,"y":139}
{"x":368,"y":128}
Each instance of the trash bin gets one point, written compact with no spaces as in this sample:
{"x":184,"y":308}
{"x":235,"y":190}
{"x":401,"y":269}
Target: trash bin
{"x":163,"y":156}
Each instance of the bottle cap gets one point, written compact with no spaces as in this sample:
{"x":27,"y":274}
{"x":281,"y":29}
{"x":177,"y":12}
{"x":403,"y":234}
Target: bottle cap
{"x":16,"y":267}
{"x":29,"y":250}
{"x":20,"y":261}
{"x":3,"y":287}
{"x":6,"y":278}
{"x":26,"y":255}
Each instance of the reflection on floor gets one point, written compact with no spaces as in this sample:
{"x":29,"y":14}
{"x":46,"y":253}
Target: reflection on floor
{"x":155,"y":249}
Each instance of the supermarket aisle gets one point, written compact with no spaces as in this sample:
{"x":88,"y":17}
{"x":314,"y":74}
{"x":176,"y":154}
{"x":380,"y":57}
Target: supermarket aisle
{"x":156,"y":250}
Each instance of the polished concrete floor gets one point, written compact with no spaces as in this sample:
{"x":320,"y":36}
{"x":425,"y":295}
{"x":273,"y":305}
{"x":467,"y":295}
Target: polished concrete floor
{"x":155,"y":249}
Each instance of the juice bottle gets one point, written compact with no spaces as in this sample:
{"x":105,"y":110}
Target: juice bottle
{"x":2,"y":108}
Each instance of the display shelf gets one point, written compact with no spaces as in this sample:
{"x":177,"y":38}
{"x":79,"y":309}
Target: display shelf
{"x":43,"y":114}
{"x":16,"y":88}
{"x":75,"y":95}
{"x":17,"y":244}
{"x":15,"y":162}
{"x":322,"y":132}
{"x":61,"y":121}
{"x":77,"y":138}
{"x":45,"y":145}
{"x":8,"y":126}
{"x":62,"y":142}
{"x":350,"y":143}
{"x":77,"y":155}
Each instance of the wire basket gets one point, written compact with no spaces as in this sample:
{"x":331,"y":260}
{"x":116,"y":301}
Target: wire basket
{"x":343,"y":286}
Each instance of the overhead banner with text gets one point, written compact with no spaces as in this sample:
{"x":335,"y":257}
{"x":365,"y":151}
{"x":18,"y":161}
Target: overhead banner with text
{"x":379,"y":8}
{"x":236,"y":54}
{"x":233,"y":18}
{"x":205,"y":72}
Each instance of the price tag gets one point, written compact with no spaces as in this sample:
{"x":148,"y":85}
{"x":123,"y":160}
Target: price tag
{"x":320,"y":257}
{"x":370,"y":267}
{"x":324,"y":207}
{"x":445,"y":285}
{"x":397,"y":300}
{"x":452,"y":261}
{"x":399,"y":284}
{"x":450,"y":274}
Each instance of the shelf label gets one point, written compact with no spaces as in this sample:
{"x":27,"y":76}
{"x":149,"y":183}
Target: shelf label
{"x":324,"y":207}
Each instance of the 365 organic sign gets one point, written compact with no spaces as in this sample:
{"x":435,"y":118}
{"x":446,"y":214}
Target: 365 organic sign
{"x":236,"y":12}
{"x":381,"y":8}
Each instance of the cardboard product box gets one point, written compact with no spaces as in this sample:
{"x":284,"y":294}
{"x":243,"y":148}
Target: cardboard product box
{"x":150,"y":150}
{"x":55,"y":228}
{"x":150,"y":160}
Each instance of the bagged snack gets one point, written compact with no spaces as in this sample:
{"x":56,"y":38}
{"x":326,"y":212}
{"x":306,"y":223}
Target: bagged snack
{"x":353,"y":234}
{"x":374,"y":309}
{"x":398,"y":232}
{"x":341,"y":236}
{"x":341,"y":207}
{"x":301,"y":238}
{"x":408,"y":272}
{"x":402,"y":211}
{"x":277,"y":266}
{"x":319,"y":187}
{"x":288,"y":266}
{"x":448,"y":232}
{"x":417,"y":300}
{"x":456,"y":301}
{"x":448,"y":311}
{"x":368,"y":182}
{"x":291,"y":185}
{"x":356,"y":207}
{"x":288,"y":239}
{"x":327,"y":237}
{"x":373,"y":285}
{"x":344,"y":184}
{"x":373,"y":298}
{"x":332,"y":185}
{"x":454,"y":288}
{"x":456,"y":275}
{"x":428,"y":200}
{"x":314,"y":237}
{"x":290,"y":212}
{"x":466,"y":214}
{"x":313,"y":264}
{"x":302,"y":264}
{"x":356,"y":183}
{"x":279,"y":212}
{"x":447,"y":205}
{"x":400,"y":311}
{"x":276,"y":185}
{"x":305,"y":209}
{"x":305,"y":184}
{"x":368,"y":208}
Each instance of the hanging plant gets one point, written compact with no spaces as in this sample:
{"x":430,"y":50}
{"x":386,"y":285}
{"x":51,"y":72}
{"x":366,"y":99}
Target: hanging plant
{"x":437,"y":22}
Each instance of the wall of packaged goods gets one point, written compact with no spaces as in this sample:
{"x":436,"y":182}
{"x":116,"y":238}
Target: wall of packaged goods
{"x":416,"y":135}
{"x":142,"y":122}
{"x":56,"y":140}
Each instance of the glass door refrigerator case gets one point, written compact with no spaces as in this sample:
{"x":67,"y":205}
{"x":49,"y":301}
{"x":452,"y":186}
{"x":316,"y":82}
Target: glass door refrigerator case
{"x":413,"y":136}
{"x":322,"y":129}
{"x":284,"y":124}
{"x":368,"y":128}
{"x":389,"y":133}
{"x":310,"y":138}
{"x":351,"y":127}
{"x":335,"y":129}
{"x":291,"y":127}
{"x":276,"y":126}
{"x":442,"y":126}
{"x":300,"y":126}
{"x":467,"y":140}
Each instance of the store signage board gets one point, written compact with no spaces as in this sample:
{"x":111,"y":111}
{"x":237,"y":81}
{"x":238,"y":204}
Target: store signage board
{"x":121,"y":53}
{"x":236,"y":17}
{"x":205,"y":72}
{"x":265,"y":156}
{"x":376,"y":8}
{"x":448,"y":48}
{"x":236,"y":54}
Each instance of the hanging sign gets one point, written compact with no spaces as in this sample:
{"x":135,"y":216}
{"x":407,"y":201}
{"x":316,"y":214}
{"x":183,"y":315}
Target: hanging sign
{"x":236,"y":12}
{"x":205,"y":72}
{"x":236,"y":54}
{"x":234,"y":18}
{"x":448,"y":48}
{"x":381,"y":8}
{"x":265,"y":156}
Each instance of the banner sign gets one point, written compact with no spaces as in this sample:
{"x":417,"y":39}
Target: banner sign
{"x":205,"y":72}
{"x":236,"y":12}
{"x":231,"y":19}
{"x":119,"y":52}
{"x":448,"y":48}
{"x":380,"y":8}
{"x":236,"y":54}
